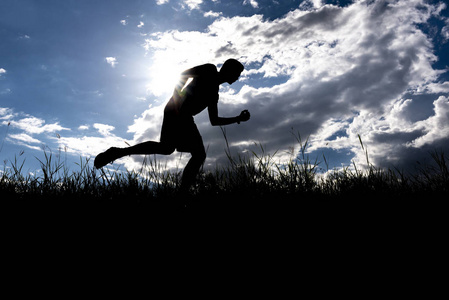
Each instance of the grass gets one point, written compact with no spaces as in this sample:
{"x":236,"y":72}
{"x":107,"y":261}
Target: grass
{"x":249,"y":180}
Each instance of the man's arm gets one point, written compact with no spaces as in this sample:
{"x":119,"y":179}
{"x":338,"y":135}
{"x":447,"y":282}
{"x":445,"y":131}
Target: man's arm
{"x":215,"y":120}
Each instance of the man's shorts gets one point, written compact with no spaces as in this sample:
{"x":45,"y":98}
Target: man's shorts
{"x":181,"y":132}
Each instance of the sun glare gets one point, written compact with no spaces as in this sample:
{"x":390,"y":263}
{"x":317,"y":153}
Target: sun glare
{"x":163,"y":77}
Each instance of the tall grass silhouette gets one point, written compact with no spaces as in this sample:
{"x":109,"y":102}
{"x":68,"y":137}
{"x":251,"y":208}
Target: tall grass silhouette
{"x":247,"y":180}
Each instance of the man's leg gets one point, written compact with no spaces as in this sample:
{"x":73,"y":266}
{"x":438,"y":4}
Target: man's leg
{"x":168,"y":135}
{"x":190,"y":140}
{"x":192,"y":168}
{"x":143,"y":148}
{"x":148,"y":148}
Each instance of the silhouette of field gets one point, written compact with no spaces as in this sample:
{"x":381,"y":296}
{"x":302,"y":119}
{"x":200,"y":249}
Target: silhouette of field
{"x":247,"y":182}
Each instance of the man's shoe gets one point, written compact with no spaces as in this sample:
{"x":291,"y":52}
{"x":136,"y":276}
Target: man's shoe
{"x":106,"y":157}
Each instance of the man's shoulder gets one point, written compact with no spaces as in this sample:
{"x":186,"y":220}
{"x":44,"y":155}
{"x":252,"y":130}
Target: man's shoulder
{"x":207,"y":68}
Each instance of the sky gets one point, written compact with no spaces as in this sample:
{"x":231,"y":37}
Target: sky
{"x":80,"y":76}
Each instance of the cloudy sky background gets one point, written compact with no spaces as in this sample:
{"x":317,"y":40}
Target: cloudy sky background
{"x":81,"y":76}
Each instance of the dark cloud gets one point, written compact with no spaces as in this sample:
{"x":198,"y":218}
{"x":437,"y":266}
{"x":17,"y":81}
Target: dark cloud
{"x":226,"y":51}
{"x":396,"y":138}
{"x":298,"y":24}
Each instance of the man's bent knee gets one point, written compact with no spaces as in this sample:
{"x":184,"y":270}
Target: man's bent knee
{"x":166,"y":149}
{"x":199,"y":155}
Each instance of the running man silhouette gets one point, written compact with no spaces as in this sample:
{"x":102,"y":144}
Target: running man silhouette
{"x":178,"y":127}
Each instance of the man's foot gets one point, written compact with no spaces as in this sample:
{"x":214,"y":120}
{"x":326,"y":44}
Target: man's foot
{"x":106,"y":157}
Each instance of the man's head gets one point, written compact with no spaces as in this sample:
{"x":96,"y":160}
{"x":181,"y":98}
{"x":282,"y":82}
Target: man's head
{"x":231,"y":70}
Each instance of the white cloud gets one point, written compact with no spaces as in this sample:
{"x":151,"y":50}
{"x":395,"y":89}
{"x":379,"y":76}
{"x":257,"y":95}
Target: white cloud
{"x":124,"y":22}
{"x":437,"y":87}
{"x":111,"y":60}
{"x":6,"y":114}
{"x":91,"y":146}
{"x":392,"y":139}
{"x":33,"y":125}
{"x":141,"y":24}
{"x":435,"y":127}
{"x":212,"y":14}
{"x":27,"y":126}
{"x":445,"y":31}
{"x":148,"y":125}
{"x":86,"y":146}
{"x":192,"y":4}
{"x":2,"y":71}
{"x":5,"y":92}
{"x":24,"y":144}
{"x":104,"y":129}
{"x":317,"y":3}
{"x":24,"y":138}
{"x":160,"y":2}
{"x":343,"y":69}
{"x":253,"y":3}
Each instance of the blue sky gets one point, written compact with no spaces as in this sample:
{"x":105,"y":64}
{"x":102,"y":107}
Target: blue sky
{"x":81,"y":76}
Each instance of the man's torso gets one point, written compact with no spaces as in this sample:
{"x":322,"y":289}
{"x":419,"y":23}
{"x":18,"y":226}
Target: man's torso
{"x":201,"y":91}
